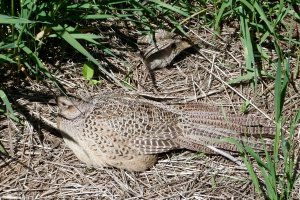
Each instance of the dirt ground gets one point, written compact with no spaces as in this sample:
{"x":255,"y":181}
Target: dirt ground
{"x":40,"y":166}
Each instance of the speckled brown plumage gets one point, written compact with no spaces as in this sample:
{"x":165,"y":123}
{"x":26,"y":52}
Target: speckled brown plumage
{"x":126,"y":131}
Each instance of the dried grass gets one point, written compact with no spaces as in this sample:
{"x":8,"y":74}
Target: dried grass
{"x":40,"y":166}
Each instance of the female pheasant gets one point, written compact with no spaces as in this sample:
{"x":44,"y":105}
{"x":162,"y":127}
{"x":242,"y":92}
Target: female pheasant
{"x":127,"y":131}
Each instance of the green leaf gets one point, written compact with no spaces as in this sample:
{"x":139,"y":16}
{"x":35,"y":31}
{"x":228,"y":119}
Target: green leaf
{"x":95,"y":82}
{"x":88,"y":70}
{"x":245,"y":106}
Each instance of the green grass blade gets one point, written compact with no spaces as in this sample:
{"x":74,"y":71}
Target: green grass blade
{"x":263,"y":17}
{"x":102,"y":16}
{"x":248,"y":4}
{"x":144,"y":9}
{"x":9,"y":111}
{"x":257,"y":158}
{"x":2,"y":149}
{"x":247,"y":44}
{"x":270,"y":186}
{"x":40,"y":65}
{"x":5,"y":19}
{"x":6,"y":58}
{"x":220,"y":14}
{"x":6,"y":102}
{"x":8,"y":46}
{"x":87,"y":36}
{"x":248,"y":164}
{"x":168,"y":6}
{"x":74,"y":43}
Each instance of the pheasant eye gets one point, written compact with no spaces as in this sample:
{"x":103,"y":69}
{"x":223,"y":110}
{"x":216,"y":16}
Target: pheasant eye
{"x":63,"y":104}
{"x":69,"y":107}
